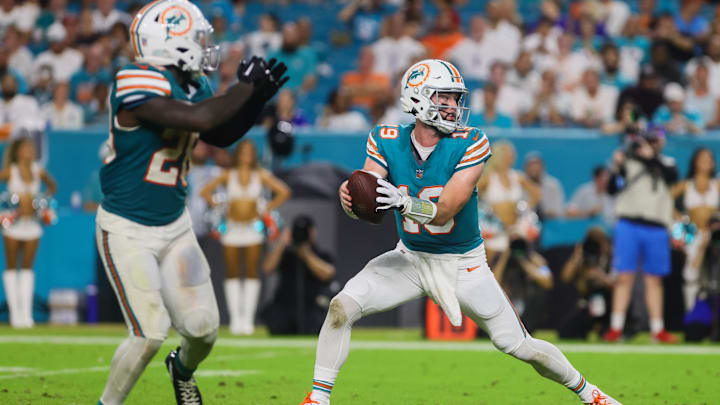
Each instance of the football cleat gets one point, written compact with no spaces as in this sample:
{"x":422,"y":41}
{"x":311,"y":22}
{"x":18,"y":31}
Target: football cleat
{"x":612,"y":335}
{"x":664,"y":337}
{"x":599,"y":398}
{"x":308,"y":400}
{"x":186,"y":390}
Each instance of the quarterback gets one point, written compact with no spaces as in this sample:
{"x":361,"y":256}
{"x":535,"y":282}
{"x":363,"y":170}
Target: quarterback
{"x":427,"y":174}
{"x":160,"y":106}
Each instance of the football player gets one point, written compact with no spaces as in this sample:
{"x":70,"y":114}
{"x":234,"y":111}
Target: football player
{"x":427,"y":174}
{"x":160,"y":106}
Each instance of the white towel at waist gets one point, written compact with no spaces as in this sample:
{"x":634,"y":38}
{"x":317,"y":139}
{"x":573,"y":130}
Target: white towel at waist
{"x":438,"y":276}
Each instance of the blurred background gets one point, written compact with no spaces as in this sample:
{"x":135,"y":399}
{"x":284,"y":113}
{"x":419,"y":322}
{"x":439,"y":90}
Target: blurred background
{"x":556,"y":85}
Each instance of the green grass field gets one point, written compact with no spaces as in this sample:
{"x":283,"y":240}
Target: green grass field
{"x":51,"y":365}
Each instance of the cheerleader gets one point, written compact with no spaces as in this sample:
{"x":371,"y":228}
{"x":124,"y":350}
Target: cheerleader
{"x":22,"y":229}
{"x":243,"y":238}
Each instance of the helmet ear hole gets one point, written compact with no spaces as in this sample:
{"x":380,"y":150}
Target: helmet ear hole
{"x":182,"y":50}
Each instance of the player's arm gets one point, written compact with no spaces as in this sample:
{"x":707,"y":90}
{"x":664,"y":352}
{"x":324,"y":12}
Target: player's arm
{"x":49,"y":181}
{"x":207,"y":191}
{"x":281,"y":191}
{"x":344,"y":192}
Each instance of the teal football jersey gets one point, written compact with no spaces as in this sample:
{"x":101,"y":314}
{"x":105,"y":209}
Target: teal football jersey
{"x":391,"y":147}
{"x":144,"y":178}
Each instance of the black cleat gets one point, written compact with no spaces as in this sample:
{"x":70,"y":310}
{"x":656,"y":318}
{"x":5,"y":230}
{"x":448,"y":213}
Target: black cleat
{"x":186,"y":390}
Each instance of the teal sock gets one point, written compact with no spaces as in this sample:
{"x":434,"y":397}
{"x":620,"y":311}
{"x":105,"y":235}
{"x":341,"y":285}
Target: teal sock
{"x":185,"y":372}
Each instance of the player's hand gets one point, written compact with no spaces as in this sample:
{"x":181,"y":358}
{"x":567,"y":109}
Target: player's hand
{"x":274,"y":79}
{"x":390,"y":196}
{"x":345,"y":198}
{"x":252,"y":71}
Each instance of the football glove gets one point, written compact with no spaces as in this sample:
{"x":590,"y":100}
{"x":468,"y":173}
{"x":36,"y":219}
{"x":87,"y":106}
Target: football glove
{"x":274,"y":79}
{"x":252,"y":71}
{"x":420,"y":211}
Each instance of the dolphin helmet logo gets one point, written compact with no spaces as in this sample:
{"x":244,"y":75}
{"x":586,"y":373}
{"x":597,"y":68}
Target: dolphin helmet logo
{"x":177,"y":21}
{"x":417,"y":75}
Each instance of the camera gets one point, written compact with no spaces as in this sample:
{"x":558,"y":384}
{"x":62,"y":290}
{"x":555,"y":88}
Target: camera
{"x":591,"y":252}
{"x":519,"y":248}
{"x":301,"y":229}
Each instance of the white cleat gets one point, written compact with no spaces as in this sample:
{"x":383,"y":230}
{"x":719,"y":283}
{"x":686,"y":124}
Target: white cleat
{"x":600,"y":398}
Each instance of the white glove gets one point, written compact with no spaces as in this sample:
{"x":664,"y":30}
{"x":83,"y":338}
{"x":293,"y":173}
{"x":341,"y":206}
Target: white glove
{"x":420,"y":211}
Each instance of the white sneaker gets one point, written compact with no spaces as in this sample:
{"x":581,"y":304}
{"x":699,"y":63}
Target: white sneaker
{"x":600,"y":398}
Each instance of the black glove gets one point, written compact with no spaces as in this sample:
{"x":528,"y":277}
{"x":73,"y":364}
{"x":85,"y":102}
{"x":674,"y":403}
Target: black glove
{"x":273,"y":80}
{"x":252,"y":71}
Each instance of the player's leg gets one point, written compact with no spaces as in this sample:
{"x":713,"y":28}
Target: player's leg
{"x":482,"y":299}
{"x":10,"y":281}
{"x":252,"y":285}
{"x":132,"y":270}
{"x":233,"y":288}
{"x":626,"y":252}
{"x":386,"y":282}
{"x":190,"y":300}
{"x":656,"y":265}
{"x":26,"y":280}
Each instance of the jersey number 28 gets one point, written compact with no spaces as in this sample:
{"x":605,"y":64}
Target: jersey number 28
{"x":177,"y":160}
{"x":427,"y":193}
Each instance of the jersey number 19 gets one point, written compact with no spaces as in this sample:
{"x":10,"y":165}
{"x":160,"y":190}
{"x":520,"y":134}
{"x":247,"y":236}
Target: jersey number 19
{"x":427,"y":193}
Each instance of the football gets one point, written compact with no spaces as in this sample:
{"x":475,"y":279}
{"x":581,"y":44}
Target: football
{"x":362,"y":187}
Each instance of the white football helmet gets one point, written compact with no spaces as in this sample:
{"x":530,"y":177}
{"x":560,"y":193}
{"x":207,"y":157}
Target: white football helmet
{"x":174,"y":32}
{"x":422,"y":81}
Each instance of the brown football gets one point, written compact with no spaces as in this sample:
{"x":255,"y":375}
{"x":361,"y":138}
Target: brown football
{"x":362,"y":186}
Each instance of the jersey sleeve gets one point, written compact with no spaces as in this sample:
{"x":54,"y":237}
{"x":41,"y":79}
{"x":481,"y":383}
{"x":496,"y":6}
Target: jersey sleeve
{"x":136,"y":84}
{"x":477,"y":151}
{"x":374,"y":148}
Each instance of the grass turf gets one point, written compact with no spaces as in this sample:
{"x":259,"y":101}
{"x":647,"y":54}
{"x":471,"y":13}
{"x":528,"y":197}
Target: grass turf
{"x":49,"y":365}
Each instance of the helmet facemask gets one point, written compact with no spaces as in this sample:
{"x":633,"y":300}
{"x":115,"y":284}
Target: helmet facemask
{"x":210,"y":59}
{"x":434,"y":115}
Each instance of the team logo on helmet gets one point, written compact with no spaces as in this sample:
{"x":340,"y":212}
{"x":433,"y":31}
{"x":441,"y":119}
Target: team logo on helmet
{"x":417,"y":76}
{"x":177,"y":21}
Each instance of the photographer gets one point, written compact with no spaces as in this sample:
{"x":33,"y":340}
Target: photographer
{"x":587,"y":269}
{"x":642,"y":178}
{"x":304,"y":292}
{"x":524,"y":275}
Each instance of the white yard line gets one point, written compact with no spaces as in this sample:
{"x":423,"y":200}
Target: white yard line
{"x":310,"y":343}
{"x":56,"y":372}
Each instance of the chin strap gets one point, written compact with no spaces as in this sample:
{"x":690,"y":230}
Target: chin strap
{"x":420,"y":211}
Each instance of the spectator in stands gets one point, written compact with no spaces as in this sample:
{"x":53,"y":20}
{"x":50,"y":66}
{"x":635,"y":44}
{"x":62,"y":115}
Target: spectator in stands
{"x":700,"y":200}
{"x":284,"y":109}
{"x":588,"y":269}
{"x":523,"y":76}
{"x":612,"y":14}
{"x":646,"y":16}
{"x":306,"y":273}
{"x":666,"y":68}
{"x":338,"y":116}
{"x":18,"y":14}
{"x":63,"y":60}
{"x":365,"y":86}
{"x":222,"y":36}
{"x":593,"y":104}
{"x":547,"y":108}
{"x":42,"y":87}
{"x":106,"y":15}
{"x":243,"y":240}
{"x":568,"y":65}
{"x":94,"y":71}
{"x":86,"y":34}
{"x":17,"y":111}
{"x":117,"y":46}
{"x":301,"y":60}
{"x":501,"y":33}
{"x":444,"y":35}
{"x":21,"y":59}
{"x":396,"y":50}
{"x":266,"y":39}
{"x":712,"y":61}
{"x":474,"y":54}
{"x":591,"y":199}
{"x":99,"y":105}
{"x":364,"y":17}
{"x":690,"y":22}
{"x":679,"y":46}
{"x":63,"y":113}
{"x":611,"y":75}
{"x":5,"y":68}
{"x":552,"y":196}
{"x":510,"y":100}
{"x":544,"y":41}
{"x":226,"y":72}
{"x":674,"y":116}
{"x":646,"y":94}
{"x":700,"y":98}
{"x":641,"y":177}
{"x":490,"y":117}
{"x":634,"y":46}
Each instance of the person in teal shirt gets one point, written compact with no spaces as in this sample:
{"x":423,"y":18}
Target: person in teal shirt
{"x":300,"y":60}
{"x":490,"y":116}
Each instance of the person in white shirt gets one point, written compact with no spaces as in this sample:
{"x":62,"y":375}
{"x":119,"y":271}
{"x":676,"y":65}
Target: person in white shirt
{"x":511,"y":100}
{"x":544,"y":41}
{"x":18,"y":112}
{"x":568,"y":65}
{"x":592,"y":199}
{"x":504,"y":36}
{"x":21,"y":16}
{"x":613,"y":13}
{"x":339,"y":117}
{"x":106,"y":15}
{"x":63,"y":61}
{"x":395,"y":51}
{"x":474,"y":54}
{"x":523,"y":75}
{"x":21,"y":59}
{"x":593,"y":104}
{"x":712,"y":61}
{"x":266,"y":39}
{"x":699,"y":97}
{"x":63,"y":113}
